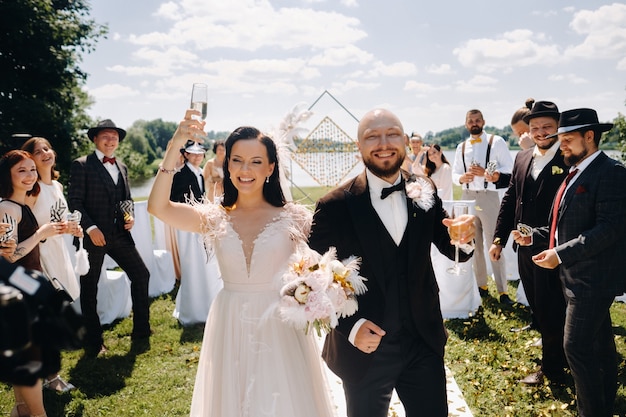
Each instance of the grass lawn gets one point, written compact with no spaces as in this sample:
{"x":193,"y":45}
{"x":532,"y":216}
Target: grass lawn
{"x":485,"y":357}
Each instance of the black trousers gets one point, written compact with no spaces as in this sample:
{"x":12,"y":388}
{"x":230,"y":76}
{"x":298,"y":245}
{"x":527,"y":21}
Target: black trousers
{"x":591,"y":353}
{"x":545,"y":296}
{"x":406,"y":363}
{"x":122,"y":249}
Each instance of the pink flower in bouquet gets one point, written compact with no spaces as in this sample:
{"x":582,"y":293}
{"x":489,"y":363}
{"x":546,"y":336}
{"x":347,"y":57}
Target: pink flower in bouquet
{"x":319,"y":290}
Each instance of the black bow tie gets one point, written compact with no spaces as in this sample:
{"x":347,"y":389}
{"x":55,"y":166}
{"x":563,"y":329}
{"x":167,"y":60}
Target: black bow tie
{"x":388,"y":190}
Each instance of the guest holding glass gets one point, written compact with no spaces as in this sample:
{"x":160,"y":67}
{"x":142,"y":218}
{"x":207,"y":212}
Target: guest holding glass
{"x":18,"y":179}
{"x":439,"y":170}
{"x":214,"y":172}
{"x":199,"y":274}
{"x":50,"y":206}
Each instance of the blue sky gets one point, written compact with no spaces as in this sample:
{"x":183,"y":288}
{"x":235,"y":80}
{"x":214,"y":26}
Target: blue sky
{"x":429,"y":62}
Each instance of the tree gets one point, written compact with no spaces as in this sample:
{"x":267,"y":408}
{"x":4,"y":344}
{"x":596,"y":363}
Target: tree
{"x":41,"y":42}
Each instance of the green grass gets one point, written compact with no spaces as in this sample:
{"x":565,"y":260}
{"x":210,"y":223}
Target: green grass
{"x":486,"y":358}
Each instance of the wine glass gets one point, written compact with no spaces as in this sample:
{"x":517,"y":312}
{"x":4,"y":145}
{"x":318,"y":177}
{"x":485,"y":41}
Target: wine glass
{"x":458,"y":209}
{"x":199,"y":101}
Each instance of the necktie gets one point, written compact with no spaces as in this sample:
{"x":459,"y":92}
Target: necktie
{"x":477,"y":140}
{"x":109,"y":160}
{"x":388,"y":190}
{"x":557,"y":203}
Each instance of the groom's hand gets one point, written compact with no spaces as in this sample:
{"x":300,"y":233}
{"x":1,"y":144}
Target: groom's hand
{"x":368,"y":337}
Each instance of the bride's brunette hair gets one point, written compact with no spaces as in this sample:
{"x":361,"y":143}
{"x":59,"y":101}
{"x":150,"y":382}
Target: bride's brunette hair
{"x":272,"y":192}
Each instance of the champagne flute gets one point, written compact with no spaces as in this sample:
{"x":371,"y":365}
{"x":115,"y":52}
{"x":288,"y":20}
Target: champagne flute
{"x":199,"y":101}
{"x":458,"y":209}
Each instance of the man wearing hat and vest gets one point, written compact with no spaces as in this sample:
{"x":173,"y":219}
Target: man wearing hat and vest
{"x":99,"y":189}
{"x":586,"y":240}
{"x":537,"y":175}
{"x":188,"y":184}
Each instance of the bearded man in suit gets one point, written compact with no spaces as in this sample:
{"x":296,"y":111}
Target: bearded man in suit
{"x":586,"y":241}
{"x":389,"y":219}
{"x":537,"y":175}
{"x":98,"y":184}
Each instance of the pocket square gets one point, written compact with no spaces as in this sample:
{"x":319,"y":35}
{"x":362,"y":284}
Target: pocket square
{"x":581,"y":189}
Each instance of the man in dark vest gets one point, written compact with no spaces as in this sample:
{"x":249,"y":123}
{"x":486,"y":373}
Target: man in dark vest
{"x":389,"y":219}
{"x":537,"y":175}
{"x":99,"y":189}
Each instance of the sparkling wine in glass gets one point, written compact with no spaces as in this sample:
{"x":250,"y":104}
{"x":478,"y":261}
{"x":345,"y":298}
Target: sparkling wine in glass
{"x":199,"y":99}
{"x":458,"y":209}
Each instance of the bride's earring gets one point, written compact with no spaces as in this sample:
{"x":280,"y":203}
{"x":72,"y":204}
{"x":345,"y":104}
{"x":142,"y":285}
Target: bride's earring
{"x":267,"y":180}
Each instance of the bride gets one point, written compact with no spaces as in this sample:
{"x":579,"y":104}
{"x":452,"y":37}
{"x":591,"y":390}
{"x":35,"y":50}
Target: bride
{"x":251,"y":362}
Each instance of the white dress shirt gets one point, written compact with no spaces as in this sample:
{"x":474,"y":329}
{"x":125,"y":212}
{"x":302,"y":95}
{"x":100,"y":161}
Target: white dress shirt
{"x":478,"y":152}
{"x":540,"y":161}
{"x":394,"y":214}
{"x":112,"y":169}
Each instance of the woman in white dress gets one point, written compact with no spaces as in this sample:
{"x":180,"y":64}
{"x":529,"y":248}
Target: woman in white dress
{"x":438,"y":169}
{"x":213,"y":172}
{"x":252,"y":363}
{"x":50,"y":206}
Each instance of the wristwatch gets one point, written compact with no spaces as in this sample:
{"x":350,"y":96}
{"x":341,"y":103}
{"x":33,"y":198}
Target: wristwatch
{"x":497,"y":241}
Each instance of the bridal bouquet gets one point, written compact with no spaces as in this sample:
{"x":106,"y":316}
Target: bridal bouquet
{"x":320,"y":289}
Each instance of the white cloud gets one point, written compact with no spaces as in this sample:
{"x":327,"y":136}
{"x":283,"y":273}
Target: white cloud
{"x":478,"y":84}
{"x":251,"y":25}
{"x":169,"y":10}
{"x":569,"y":78}
{"x":353,"y":85}
{"x":504,"y":52}
{"x":350,"y":3}
{"x":112,"y":92}
{"x":441,"y":69}
{"x":424,"y":88}
{"x":604,"y":30}
{"x":340,"y":56}
{"x":621,"y":64}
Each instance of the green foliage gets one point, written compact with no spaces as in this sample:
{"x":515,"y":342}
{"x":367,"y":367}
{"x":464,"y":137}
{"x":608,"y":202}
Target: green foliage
{"x":41,"y":43}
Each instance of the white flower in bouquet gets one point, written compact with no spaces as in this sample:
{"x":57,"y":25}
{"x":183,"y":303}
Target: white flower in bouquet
{"x":319,"y":290}
{"x":421,"y":192}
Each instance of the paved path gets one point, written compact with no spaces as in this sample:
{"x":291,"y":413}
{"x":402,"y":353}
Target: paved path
{"x":457,"y":407}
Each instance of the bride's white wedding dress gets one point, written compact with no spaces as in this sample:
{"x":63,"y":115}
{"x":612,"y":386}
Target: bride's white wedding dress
{"x":252,"y":364}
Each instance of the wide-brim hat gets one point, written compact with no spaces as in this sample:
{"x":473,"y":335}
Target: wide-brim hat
{"x":193,"y":147}
{"x":542,"y":109}
{"x":105,"y":124}
{"x":580,"y":119}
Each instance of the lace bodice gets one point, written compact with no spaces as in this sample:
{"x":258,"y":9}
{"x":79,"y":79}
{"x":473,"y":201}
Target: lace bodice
{"x":271,"y":250}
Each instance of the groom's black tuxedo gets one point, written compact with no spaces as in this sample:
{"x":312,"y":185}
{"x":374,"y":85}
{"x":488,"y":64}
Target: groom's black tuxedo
{"x":346,"y":219}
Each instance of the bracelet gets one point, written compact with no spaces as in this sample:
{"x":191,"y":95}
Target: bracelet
{"x":169,"y":171}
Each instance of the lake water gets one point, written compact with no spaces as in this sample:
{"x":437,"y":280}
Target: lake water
{"x":301,"y":178}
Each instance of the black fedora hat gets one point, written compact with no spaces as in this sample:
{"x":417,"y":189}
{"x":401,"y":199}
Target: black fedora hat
{"x":580,"y":119}
{"x":542,"y":109}
{"x":105,"y":124}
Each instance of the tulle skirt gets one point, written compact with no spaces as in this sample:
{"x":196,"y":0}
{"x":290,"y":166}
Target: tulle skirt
{"x":252,"y":364}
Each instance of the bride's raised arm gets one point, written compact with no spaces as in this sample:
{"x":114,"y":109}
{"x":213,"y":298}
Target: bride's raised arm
{"x":178,"y":215}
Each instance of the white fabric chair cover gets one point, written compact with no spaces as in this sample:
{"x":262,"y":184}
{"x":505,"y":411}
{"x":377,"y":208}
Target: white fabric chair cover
{"x":458,"y":294}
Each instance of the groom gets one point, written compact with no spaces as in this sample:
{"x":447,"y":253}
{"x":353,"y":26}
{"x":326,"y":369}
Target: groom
{"x":396,"y":339}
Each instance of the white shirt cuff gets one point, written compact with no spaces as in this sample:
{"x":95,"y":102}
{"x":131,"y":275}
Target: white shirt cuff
{"x":90,"y":228}
{"x":355,"y":330}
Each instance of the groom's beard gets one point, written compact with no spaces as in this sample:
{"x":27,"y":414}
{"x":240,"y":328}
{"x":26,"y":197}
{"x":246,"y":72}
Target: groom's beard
{"x":387,"y":169}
